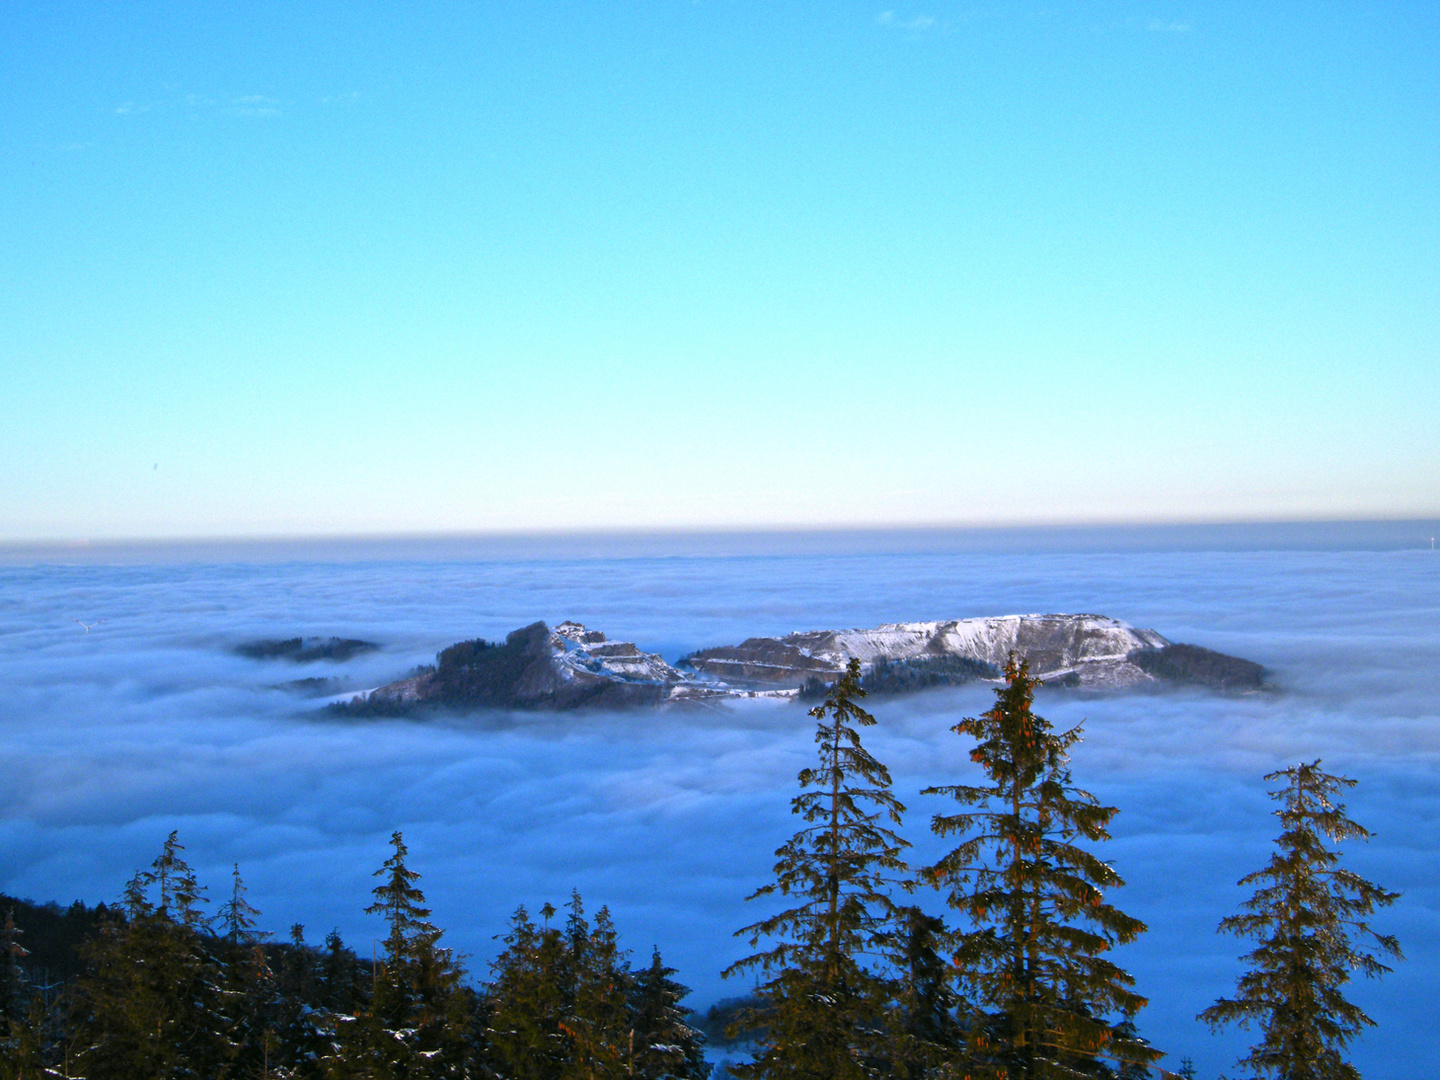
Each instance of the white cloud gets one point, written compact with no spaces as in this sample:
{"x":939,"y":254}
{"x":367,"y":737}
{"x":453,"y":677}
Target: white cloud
{"x":242,"y":105}
{"x":254,"y":105}
{"x":1159,"y":26}
{"x":919,"y":22}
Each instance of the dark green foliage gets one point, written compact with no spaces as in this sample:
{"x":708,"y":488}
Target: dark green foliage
{"x":485,"y":673}
{"x":150,"y":1003}
{"x":51,"y":936}
{"x":416,"y":1022}
{"x":298,"y":1017}
{"x":823,"y":1001}
{"x":563,"y":1002}
{"x":923,"y":1031}
{"x":23,"y":1039}
{"x":14,"y":991}
{"x":907,"y":676}
{"x":598,"y":1024}
{"x":253,"y":1007}
{"x":1031,"y":967}
{"x":16,"y":1032}
{"x":343,"y":976}
{"x":305,"y":650}
{"x":733,"y":1020}
{"x":161,"y":996}
{"x":1193,"y":665}
{"x":1309,"y":918}
{"x":530,"y":993}
{"x":663,"y":1043}
{"x":237,"y":917}
{"x":314,"y":686}
{"x":1134,"y":1068}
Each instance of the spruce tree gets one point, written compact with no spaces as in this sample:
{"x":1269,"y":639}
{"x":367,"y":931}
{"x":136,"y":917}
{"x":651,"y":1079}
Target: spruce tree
{"x":597,"y":1021}
{"x":23,"y":1052}
{"x":1032,"y":966}
{"x":923,"y":1031}
{"x":17,"y":1034}
{"x":530,"y":993}
{"x":255,"y":1009}
{"x":300,"y":1014}
{"x":823,"y":1000}
{"x":238,"y":917}
{"x":662,"y":1044}
{"x":149,"y":1005}
{"x":252,"y":992}
{"x":343,"y":981}
{"x":415,"y":1024}
{"x":1310,"y":918}
{"x":342,"y":988}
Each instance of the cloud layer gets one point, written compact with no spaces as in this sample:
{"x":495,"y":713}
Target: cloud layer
{"x":111,"y":738}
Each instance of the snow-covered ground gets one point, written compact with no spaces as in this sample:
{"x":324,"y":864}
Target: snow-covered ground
{"x":109,"y":739}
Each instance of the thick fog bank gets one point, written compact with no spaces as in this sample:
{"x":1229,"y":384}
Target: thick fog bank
{"x":112,"y":736}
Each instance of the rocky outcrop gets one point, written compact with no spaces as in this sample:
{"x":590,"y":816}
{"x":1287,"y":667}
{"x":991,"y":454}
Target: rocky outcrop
{"x":533,"y":668}
{"x":304,"y":650}
{"x":572,"y":666}
{"x":1078,"y":650}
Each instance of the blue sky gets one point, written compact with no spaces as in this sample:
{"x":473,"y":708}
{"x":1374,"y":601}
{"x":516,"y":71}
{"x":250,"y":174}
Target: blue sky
{"x":363,"y":269}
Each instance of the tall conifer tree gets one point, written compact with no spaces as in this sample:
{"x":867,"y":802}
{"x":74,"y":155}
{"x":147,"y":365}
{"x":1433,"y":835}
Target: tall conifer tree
{"x":251,"y":990}
{"x":822,"y":1001}
{"x":237,"y":916}
{"x":149,"y":1004}
{"x":559,"y":1002}
{"x":415,"y":1025}
{"x":530,"y":994}
{"x":663,"y":1045}
{"x":597,"y":1021}
{"x":923,"y":1031}
{"x":1032,"y":966}
{"x":1309,"y":917}
{"x":17,"y":1035}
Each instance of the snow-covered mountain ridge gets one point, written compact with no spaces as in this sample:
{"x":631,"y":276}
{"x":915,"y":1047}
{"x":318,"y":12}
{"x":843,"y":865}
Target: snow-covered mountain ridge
{"x":1093,"y":649}
{"x":571,"y":665}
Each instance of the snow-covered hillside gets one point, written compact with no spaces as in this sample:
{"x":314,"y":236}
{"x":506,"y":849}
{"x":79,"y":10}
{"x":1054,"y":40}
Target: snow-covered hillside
{"x":1086,"y":650}
{"x":572,"y":666}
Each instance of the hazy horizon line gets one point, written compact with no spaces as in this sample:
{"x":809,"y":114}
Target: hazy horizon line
{"x":1288,"y":534}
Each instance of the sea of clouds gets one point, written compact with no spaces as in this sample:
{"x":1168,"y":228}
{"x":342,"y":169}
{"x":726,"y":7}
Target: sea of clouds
{"x":147,"y":722}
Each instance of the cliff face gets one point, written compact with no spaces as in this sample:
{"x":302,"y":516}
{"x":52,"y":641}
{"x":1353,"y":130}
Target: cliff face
{"x":572,"y":666}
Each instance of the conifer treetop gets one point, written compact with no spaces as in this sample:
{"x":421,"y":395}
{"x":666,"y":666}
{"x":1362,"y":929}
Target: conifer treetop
{"x":1310,"y":918}
{"x":401,"y":903}
{"x":1033,"y":964}
{"x":179,"y":895}
{"x":238,"y":916}
{"x":822,"y":1004}
{"x":842,"y":864}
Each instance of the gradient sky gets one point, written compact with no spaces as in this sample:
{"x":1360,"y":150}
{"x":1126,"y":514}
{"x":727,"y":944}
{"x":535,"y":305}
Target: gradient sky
{"x":370,"y":267}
